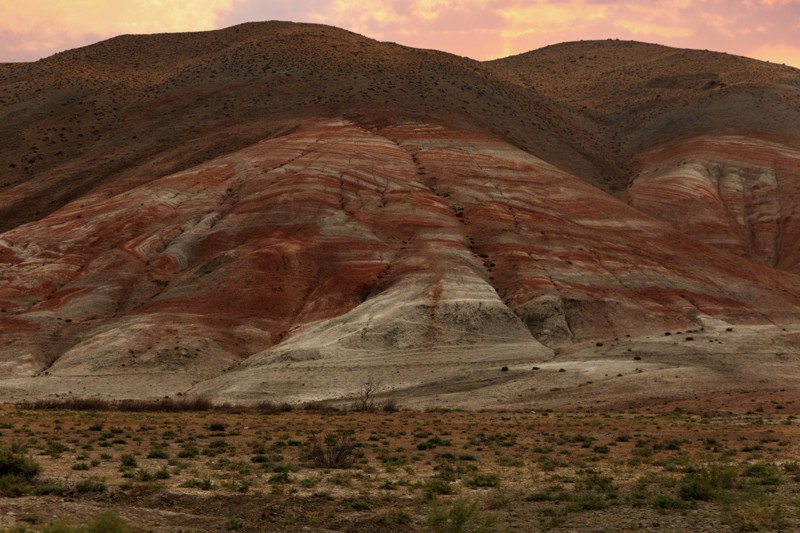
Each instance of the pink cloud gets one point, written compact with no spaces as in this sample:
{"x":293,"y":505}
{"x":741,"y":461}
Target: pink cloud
{"x":485,"y":29}
{"x":31,"y":30}
{"x":481,"y":29}
{"x":788,"y":54}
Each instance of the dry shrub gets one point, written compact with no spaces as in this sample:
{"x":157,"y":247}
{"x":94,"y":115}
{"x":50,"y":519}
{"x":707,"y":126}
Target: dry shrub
{"x":72,"y":404}
{"x":336,"y":450}
{"x":97,"y":404}
{"x":320,"y":408}
{"x":390,"y":406}
{"x":272,"y":408}
{"x":166,"y":405}
{"x":365,"y":400}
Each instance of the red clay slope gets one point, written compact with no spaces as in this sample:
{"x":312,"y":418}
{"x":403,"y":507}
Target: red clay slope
{"x":710,"y":141}
{"x":235,"y":213}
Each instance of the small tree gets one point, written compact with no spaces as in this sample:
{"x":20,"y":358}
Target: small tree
{"x":365,"y":401}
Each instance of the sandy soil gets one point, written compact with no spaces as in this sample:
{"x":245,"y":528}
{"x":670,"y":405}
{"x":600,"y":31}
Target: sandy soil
{"x":716,"y":371}
{"x":251,"y":471}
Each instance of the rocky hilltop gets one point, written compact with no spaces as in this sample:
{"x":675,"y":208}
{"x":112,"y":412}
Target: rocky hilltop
{"x":285,"y":211}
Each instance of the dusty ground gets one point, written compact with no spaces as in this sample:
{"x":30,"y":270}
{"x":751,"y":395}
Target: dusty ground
{"x":721,"y":368}
{"x":522,"y":471}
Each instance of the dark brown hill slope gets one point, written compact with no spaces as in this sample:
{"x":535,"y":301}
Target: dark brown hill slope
{"x":137,"y":107}
{"x":647,"y":94}
{"x":285,"y":211}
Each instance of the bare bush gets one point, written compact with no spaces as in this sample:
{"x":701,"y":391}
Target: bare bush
{"x":321,"y":408}
{"x":72,"y":404}
{"x":97,"y":404}
{"x":272,"y":408}
{"x":390,"y":406}
{"x":336,"y":450}
{"x":166,"y":405}
{"x":365,"y":400}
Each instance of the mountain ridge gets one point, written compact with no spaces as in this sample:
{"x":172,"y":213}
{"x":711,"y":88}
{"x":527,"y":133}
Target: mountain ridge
{"x":284,"y":211}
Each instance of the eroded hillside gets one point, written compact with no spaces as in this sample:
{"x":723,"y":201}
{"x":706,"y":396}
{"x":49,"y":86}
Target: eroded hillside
{"x":286,"y":211}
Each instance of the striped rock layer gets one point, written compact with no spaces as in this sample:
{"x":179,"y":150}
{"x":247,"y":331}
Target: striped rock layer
{"x":317,"y":248}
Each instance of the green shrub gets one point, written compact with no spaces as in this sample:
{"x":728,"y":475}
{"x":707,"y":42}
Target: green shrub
{"x":188,"y":452}
{"x":280,"y":478}
{"x":202,"y":484}
{"x":55,"y":489}
{"x":696,"y":487}
{"x":667,"y":501}
{"x":723,"y":477}
{"x":158,"y":453}
{"x":91,"y":484}
{"x":461,"y":516}
{"x":587,"y":501}
{"x":13,"y":486}
{"x":17,"y":464}
{"x":16,"y":471}
{"x":55,"y":449}
{"x":483,"y":481}
{"x":104,"y":522}
{"x":547,"y":464}
{"x":707,"y":484}
{"x":437,"y":486}
{"x":108,"y":522}
{"x":764,"y":473}
{"x":592,"y":492}
{"x":593,"y":482}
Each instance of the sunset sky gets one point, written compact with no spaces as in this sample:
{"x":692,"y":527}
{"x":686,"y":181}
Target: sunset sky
{"x":481,"y":29}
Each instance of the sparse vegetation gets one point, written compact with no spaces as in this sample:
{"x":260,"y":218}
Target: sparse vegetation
{"x":104,"y":522}
{"x":436,"y":470}
{"x":96,"y":404}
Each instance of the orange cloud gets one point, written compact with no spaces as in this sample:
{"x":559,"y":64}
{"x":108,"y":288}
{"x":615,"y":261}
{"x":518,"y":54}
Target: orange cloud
{"x":645,"y":28}
{"x":429,"y":10}
{"x":485,"y":29}
{"x":545,"y":18}
{"x":481,"y":29}
{"x":725,"y":24}
{"x":788,"y":54}
{"x":363,"y":15}
{"x":44,"y":27}
{"x":359,"y":16}
{"x":549,"y":17}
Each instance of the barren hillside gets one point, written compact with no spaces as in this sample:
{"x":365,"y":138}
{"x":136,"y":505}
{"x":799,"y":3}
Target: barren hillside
{"x":709,"y":140}
{"x":285,"y":211}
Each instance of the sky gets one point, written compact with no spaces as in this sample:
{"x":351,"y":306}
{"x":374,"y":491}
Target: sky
{"x":480,"y":29}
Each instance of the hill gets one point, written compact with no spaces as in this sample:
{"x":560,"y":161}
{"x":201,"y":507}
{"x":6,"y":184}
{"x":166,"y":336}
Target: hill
{"x":287,"y":211}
